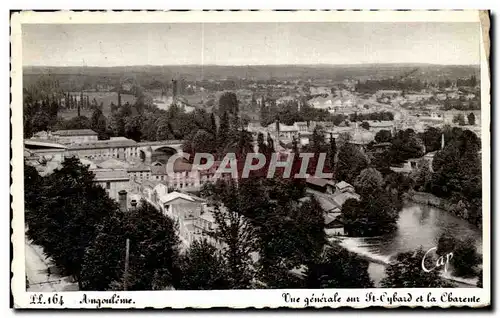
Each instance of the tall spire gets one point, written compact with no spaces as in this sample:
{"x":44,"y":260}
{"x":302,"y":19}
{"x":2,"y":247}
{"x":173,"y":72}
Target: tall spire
{"x":442,"y":141}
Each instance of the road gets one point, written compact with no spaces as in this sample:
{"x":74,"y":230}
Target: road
{"x":37,"y":272}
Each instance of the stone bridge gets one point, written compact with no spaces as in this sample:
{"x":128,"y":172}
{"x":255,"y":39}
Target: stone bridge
{"x":120,"y":148}
{"x":151,"y":151}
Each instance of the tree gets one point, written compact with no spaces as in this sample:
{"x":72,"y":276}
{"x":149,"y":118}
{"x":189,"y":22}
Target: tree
{"x":98,"y":123}
{"x":203,"y":267}
{"x":459,"y":119}
{"x":432,"y":139}
{"x":423,"y":176}
{"x":270,"y":143}
{"x":228,"y":102}
{"x":457,"y":174}
{"x":153,"y":251}
{"x":369,"y":181}
{"x":465,"y":258}
{"x":236,"y":234}
{"x":407,"y":272}
{"x":290,"y":234}
{"x":261,"y":144}
{"x":223,"y":130}
{"x":203,"y":142}
{"x":447,"y":243}
{"x":63,"y":217}
{"x":133,"y":127}
{"x":365,"y":125}
{"x":332,"y":153}
{"x":406,"y":145}
{"x":375,"y":214}
{"x":383,"y":136}
{"x":350,"y":162}
{"x":339,"y":268}
{"x":471,"y":118}
{"x":480,"y":279}
{"x":117,"y":123}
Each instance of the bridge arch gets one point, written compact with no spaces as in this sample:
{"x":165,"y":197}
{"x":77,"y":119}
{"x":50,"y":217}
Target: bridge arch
{"x":162,"y":154}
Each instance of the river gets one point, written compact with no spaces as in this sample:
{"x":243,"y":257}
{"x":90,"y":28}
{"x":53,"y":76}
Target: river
{"x":418,"y":226}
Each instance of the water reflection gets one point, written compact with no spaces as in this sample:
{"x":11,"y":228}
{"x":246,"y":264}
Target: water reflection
{"x":418,"y":226}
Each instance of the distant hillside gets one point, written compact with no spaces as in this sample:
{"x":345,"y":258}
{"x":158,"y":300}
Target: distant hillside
{"x":260,"y":72}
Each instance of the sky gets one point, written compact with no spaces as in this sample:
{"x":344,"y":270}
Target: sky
{"x":249,"y":43}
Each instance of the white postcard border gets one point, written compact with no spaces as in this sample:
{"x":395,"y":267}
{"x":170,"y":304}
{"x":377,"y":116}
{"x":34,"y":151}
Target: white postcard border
{"x":240,"y":298}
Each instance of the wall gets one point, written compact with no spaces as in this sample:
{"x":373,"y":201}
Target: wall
{"x":115,"y":187}
{"x":77,"y":139}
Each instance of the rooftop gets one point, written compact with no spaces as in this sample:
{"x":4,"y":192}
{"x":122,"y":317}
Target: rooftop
{"x":110,"y":175}
{"x":382,"y":123}
{"x":175,"y":195}
{"x":34,"y":144}
{"x":140,"y":167}
{"x":340,"y":198}
{"x":112,"y":163}
{"x":75,"y":132}
{"x":342,"y":185}
{"x":103,"y":144}
{"x":319,"y":181}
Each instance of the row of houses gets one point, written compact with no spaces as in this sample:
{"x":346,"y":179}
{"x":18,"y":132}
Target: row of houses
{"x":303,"y":131}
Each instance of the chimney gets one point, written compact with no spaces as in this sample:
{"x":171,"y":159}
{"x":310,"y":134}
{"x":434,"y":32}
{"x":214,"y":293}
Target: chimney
{"x":133,"y":203}
{"x":122,"y":200}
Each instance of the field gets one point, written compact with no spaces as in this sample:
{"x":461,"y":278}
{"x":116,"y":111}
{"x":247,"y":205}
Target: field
{"x":106,"y":98}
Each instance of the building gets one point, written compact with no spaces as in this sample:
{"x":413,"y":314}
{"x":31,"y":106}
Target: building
{"x":184,"y":209}
{"x":377,"y":126}
{"x":184,"y":177}
{"x":140,"y":172}
{"x":126,"y":149}
{"x":119,"y":147}
{"x":361,"y":137}
{"x":331,"y":202}
{"x":320,"y":184}
{"x":320,"y":90}
{"x":113,"y":180}
{"x":412,"y":98}
{"x":388,"y":93}
{"x":75,"y":136}
{"x":320,"y":102}
{"x":111,"y":163}
{"x":205,"y":225}
{"x":283,"y":131}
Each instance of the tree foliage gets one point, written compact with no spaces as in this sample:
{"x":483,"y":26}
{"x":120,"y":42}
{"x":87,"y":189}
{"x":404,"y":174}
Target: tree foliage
{"x":406,"y":145}
{"x":465,"y":258}
{"x":471,"y":118}
{"x":457,"y":175}
{"x":153,"y":251}
{"x":350,"y":162}
{"x":339,"y":268}
{"x":369,"y":181}
{"x":203,"y":267}
{"x":383,"y":136}
{"x":407,"y":272}
{"x":63,"y":215}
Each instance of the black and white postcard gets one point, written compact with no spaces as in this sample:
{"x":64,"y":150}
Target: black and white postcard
{"x":250,"y":159}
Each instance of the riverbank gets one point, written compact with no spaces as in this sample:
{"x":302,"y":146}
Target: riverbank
{"x":378,"y":265}
{"x":437,"y":202}
{"x":428,"y":199}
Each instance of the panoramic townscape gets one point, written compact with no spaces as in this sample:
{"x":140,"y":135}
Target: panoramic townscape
{"x":370,"y":173}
